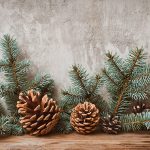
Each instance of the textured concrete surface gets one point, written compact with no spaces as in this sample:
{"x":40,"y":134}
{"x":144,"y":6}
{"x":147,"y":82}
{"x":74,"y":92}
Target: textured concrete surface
{"x":54,"y":34}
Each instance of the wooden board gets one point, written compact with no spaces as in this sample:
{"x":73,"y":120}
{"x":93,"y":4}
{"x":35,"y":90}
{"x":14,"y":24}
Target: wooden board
{"x":77,"y":142}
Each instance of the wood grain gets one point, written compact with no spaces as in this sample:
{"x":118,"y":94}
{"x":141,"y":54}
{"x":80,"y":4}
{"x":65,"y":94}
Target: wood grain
{"x":77,"y":142}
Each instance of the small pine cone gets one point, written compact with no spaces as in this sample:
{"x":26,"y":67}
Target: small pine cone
{"x":111,"y":125}
{"x":138,"y":107}
{"x":40,"y":115}
{"x":85,"y":118}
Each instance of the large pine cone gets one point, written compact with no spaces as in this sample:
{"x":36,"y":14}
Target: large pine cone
{"x":40,"y":115}
{"x":111,"y":125}
{"x":85,"y":118}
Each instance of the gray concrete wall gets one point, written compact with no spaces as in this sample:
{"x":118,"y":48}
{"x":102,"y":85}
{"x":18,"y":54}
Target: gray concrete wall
{"x":54,"y":34}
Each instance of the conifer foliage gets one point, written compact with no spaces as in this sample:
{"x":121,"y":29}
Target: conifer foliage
{"x":136,"y":122}
{"x":16,"y":72}
{"x":84,"y":88}
{"x":127,"y":80}
{"x":9,"y":125}
{"x":2,"y":109}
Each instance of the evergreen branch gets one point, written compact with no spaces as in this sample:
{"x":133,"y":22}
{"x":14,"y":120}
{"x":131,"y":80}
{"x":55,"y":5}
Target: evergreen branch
{"x":111,"y":58}
{"x":127,"y":80}
{"x":80,"y":77}
{"x":4,"y":129}
{"x":120,"y":98}
{"x":70,"y":99}
{"x":5,"y":90}
{"x":64,"y":125}
{"x":4,"y":65}
{"x":141,"y":75}
{"x":44,"y":85}
{"x":132,"y":122}
{"x":94,"y":87}
{"x":137,"y":122}
{"x":66,"y":93}
{"x":101,"y":104}
{"x":139,"y":89}
{"x":12,"y":61}
{"x":36,"y":83}
{"x":15,"y":77}
{"x":84,"y":89}
{"x":15,"y":72}
{"x":137,"y":57}
{"x":107,"y":75}
{"x":9,"y":126}
{"x":2,"y":110}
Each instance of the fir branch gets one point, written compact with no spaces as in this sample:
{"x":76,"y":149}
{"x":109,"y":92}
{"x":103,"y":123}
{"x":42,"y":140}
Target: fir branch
{"x":127,"y":79}
{"x":101,"y":104}
{"x":109,"y":78}
{"x":4,"y":126}
{"x":132,"y":122}
{"x":76,"y":70}
{"x":4,"y":65}
{"x":16,"y":78}
{"x":84,"y":89}
{"x":136,"y":76}
{"x":111,"y":58}
{"x":36,"y":83}
{"x":139,"y":93}
{"x":6,"y":90}
{"x":67,"y":93}
{"x":71,"y":97}
{"x":97,"y":83}
{"x":141,"y":76}
{"x":43,"y":84}
{"x":9,"y":126}
{"x":15,"y":72}
{"x":12,"y":61}
{"x":2,"y":110}
{"x":136,"y":57}
{"x":121,"y":94}
{"x":64,"y":125}
{"x":144,"y":88}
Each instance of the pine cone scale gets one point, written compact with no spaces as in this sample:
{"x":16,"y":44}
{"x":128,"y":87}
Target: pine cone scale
{"x":34,"y":124}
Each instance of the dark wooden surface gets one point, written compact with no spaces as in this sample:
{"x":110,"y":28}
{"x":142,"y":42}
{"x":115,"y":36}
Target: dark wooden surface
{"x":77,"y":142}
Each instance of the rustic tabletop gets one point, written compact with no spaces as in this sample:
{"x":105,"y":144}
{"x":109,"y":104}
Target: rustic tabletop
{"x":77,"y":142}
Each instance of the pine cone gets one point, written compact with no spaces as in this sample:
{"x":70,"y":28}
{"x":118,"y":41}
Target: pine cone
{"x":138,"y":107}
{"x":40,"y":115}
{"x":85,"y":118}
{"x":111,"y":125}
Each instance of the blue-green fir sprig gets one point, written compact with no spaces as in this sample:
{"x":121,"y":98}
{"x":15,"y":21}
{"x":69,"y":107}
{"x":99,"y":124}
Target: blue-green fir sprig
{"x":2,"y":109}
{"x":126,"y":80}
{"x":44,"y":84}
{"x":9,"y":126}
{"x":16,"y":75}
{"x":84,"y":88}
{"x":16,"y":80}
{"x":135,"y":122}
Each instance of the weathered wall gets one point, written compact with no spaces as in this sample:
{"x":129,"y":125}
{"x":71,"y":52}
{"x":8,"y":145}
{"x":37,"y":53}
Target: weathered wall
{"x":54,"y":34}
